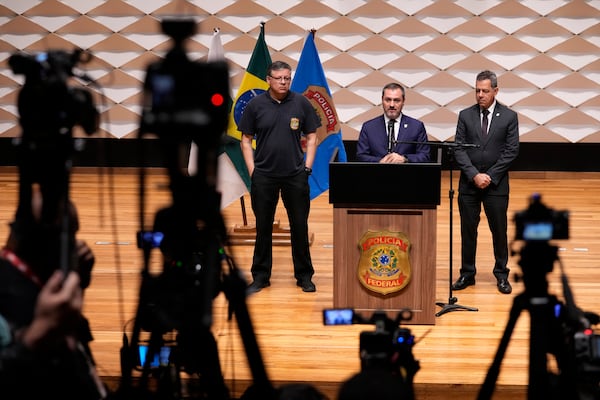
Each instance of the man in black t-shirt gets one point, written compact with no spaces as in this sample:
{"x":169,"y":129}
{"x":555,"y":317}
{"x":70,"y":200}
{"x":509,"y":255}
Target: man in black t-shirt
{"x":277,"y":119}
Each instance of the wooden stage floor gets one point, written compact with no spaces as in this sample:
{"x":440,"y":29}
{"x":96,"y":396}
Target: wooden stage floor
{"x":454,"y":353}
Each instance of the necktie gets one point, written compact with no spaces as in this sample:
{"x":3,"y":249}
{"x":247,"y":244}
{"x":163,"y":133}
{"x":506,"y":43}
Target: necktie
{"x":391,"y":135}
{"x":484,"y":122}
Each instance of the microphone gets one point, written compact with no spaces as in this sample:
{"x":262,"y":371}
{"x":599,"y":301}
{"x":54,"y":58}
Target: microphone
{"x":439,"y":144}
{"x":391,"y":135}
{"x":459,"y":144}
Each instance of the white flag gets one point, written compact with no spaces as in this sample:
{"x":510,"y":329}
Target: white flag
{"x":229,"y":182}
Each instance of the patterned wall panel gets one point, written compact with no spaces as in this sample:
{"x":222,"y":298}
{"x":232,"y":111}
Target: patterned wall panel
{"x":546,"y":54}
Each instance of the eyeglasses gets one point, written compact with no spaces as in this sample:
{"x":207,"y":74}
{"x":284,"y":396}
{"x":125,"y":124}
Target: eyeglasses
{"x":281,"y":78}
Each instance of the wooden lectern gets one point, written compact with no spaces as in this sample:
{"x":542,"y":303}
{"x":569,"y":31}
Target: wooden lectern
{"x":385,"y":197}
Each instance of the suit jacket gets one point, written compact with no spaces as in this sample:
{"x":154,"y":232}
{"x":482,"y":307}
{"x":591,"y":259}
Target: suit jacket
{"x":495,"y":153}
{"x":372,"y":143}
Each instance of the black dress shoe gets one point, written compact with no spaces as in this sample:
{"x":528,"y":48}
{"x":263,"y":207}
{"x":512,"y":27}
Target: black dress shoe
{"x":256,"y":286}
{"x":504,"y":287}
{"x":307,"y":286}
{"x":463,"y":282}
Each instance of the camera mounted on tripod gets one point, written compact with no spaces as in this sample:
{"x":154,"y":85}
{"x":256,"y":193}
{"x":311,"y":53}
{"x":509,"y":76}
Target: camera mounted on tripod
{"x":186,"y":102}
{"x":50,"y":106}
{"x":388,"y":347}
{"x":537,"y":225}
{"x":540,"y":223}
{"x":558,"y":329}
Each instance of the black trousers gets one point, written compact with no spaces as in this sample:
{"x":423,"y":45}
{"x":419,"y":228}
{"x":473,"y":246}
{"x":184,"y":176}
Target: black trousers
{"x":495,"y":207}
{"x":295,"y":193}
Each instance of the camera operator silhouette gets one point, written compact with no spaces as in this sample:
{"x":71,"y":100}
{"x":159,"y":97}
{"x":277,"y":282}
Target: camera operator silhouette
{"x":375,"y":384}
{"x":48,"y":355}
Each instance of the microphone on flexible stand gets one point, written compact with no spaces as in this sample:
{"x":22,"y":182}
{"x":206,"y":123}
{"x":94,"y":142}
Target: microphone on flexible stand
{"x":391,"y":138}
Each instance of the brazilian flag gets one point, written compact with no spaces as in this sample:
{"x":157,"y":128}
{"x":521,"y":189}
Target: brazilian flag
{"x":253,"y":83}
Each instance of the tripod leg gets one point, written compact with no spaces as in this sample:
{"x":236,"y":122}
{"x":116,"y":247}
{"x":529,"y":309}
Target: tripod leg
{"x":451,"y":306}
{"x":487,"y":389}
{"x":234,"y":287}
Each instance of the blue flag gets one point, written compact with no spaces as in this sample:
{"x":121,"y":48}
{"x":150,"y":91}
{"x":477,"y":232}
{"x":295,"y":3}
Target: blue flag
{"x":310,"y":81}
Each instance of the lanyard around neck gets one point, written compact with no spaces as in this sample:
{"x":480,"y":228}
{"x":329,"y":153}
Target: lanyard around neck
{"x":19,"y":264}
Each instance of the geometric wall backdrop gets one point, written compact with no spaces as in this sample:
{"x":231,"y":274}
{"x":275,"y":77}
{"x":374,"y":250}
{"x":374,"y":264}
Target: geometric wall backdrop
{"x":546,"y":54}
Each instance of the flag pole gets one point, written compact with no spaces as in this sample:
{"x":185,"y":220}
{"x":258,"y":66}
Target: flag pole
{"x":242,"y":201}
{"x":245,"y":234}
{"x":244,"y":217}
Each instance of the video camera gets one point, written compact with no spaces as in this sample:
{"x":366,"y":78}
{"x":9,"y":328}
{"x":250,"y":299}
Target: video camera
{"x":185,"y":102}
{"x":540,"y":223}
{"x":580,"y":360}
{"x":184,"y":99}
{"x":388,"y":347}
{"x":49,"y":108}
{"x":586,"y":345}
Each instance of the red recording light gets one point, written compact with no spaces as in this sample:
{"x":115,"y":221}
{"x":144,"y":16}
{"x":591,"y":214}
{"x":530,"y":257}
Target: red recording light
{"x":217,"y":99}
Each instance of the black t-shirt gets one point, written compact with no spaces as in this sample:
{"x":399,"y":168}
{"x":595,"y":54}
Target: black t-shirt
{"x":278,"y":127}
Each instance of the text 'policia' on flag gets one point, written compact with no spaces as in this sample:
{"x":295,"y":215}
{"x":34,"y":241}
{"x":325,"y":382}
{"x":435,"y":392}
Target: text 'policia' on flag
{"x":311,"y":82}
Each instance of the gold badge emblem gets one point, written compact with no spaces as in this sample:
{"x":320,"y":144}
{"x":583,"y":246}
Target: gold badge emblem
{"x":384,"y":264}
{"x":294,"y":124}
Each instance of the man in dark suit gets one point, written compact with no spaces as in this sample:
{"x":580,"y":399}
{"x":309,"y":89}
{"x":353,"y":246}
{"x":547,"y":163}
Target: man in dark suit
{"x":384,"y":138}
{"x":494,"y":128}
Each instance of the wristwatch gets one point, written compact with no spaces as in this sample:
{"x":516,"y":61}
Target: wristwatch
{"x":308,"y":170}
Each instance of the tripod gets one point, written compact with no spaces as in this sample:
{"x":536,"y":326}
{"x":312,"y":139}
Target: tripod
{"x":545,"y":335}
{"x":452,"y":301}
{"x":180,"y":108}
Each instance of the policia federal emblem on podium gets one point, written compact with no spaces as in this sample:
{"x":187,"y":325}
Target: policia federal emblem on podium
{"x":384,"y":264}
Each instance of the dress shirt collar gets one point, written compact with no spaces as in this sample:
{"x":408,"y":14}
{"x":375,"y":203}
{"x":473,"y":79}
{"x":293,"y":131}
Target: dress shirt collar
{"x":388,"y":119}
{"x":490,"y":109}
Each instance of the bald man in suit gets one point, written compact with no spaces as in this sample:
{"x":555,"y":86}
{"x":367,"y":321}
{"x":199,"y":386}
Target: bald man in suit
{"x":484,"y":177}
{"x":374,"y":143}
